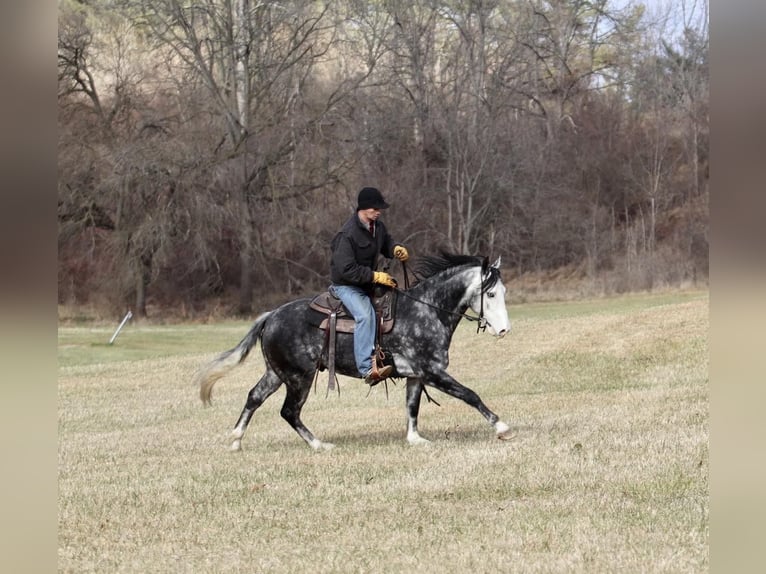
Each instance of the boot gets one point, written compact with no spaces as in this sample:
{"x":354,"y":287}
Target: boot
{"x":377,"y":374}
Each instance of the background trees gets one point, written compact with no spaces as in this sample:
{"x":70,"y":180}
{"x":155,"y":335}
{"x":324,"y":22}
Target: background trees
{"x":209,"y":149}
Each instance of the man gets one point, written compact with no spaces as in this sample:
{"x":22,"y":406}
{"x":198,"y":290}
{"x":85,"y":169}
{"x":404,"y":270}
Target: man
{"x":355,"y":250}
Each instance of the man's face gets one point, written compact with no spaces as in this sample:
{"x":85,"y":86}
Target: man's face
{"x":371,"y":214}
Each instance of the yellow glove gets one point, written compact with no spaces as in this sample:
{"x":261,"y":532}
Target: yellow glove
{"x":400,"y":252}
{"x":383,"y":279}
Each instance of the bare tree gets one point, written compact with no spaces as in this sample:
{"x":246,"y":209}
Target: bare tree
{"x":254,"y":59}
{"x":556,"y":133}
{"x":125,"y":173}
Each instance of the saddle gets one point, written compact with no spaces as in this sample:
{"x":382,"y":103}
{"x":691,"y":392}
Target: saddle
{"x":325,"y":304}
{"x":330,"y":315}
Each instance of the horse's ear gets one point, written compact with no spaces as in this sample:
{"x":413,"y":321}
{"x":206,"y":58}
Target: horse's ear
{"x":496,"y":264}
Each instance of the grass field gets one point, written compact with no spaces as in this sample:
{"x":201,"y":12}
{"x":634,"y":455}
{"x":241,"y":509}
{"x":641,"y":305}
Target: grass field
{"x":608,"y":471}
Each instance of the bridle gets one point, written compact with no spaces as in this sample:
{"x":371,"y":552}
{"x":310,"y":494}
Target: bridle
{"x":481,"y":322}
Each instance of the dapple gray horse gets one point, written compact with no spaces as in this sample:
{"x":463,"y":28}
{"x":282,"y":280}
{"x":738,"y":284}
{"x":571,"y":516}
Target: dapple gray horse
{"x":427,"y":315}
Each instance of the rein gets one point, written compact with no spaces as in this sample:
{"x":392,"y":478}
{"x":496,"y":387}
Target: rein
{"x":481,"y":322}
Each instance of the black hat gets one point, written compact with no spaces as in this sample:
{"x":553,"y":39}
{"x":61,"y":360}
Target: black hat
{"x":370,"y":198}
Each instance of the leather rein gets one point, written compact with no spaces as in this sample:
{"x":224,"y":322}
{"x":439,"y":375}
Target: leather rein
{"x":481,"y":322}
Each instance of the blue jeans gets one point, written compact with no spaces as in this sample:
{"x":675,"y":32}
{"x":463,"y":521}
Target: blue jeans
{"x":360,"y":306}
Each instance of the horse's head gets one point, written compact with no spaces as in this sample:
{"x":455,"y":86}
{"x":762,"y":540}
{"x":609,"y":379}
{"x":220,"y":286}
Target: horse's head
{"x":489,"y":300}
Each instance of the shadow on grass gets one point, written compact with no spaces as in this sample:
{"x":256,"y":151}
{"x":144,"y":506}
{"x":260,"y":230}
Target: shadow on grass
{"x":466,"y":436}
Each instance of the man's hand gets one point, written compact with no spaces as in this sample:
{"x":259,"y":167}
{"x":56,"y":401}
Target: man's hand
{"x":400,"y":252}
{"x":383,"y":278}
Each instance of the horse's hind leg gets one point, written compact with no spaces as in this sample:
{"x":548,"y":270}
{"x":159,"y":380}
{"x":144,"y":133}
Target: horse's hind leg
{"x":297,"y":393}
{"x":414,"y":394}
{"x":263,"y":389}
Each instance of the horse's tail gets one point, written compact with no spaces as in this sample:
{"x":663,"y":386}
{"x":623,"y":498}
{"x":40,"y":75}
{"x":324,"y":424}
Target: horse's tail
{"x":207,"y":376}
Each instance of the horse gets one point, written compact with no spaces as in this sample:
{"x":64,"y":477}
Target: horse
{"x":426,"y":316}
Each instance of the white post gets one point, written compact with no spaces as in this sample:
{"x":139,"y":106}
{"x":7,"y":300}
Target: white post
{"x":127,"y":317}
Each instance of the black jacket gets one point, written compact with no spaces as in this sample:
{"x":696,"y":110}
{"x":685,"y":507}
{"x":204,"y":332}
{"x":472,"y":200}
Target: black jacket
{"x":355,"y":252}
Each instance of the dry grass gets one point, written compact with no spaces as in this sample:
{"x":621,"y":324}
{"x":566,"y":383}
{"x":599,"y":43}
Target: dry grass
{"x":608,"y":473}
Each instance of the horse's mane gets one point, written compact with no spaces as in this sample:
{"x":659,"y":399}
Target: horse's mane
{"x":430,"y":265}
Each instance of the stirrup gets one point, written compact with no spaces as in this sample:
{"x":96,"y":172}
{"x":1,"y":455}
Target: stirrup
{"x":376,"y":375}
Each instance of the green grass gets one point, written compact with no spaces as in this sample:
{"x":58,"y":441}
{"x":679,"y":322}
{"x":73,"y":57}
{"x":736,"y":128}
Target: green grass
{"x":90,"y":345}
{"x":608,"y":472}
{"x":614,"y":305}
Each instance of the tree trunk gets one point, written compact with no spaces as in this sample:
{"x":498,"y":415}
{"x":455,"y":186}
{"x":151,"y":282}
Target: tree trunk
{"x":140,"y":296}
{"x":246,"y":257}
{"x":591,"y":244}
{"x":245,"y":281}
{"x":241,"y":50}
{"x":142,"y":278}
{"x":695,"y":159}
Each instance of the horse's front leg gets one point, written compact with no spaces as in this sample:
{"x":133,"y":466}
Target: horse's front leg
{"x":414,"y":393}
{"x":447,"y":384}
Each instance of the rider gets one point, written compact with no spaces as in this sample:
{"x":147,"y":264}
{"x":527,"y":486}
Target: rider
{"x":355,"y":249}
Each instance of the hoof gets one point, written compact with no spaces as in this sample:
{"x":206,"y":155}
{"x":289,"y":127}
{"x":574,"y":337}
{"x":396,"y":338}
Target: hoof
{"x":418,"y":440}
{"x":235,"y":446}
{"x":506,"y":435}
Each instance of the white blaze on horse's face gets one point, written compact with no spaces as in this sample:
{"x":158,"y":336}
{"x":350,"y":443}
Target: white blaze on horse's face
{"x":495,"y":312}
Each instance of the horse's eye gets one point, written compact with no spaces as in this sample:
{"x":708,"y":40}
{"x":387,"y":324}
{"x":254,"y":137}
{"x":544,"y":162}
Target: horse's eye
{"x":490,"y":294}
